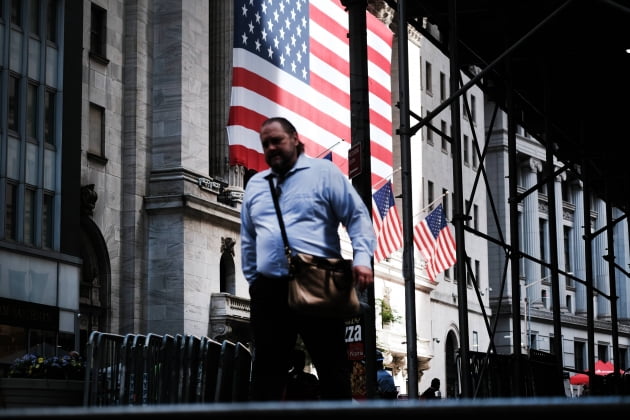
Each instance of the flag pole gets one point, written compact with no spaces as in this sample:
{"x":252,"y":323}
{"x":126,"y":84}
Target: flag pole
{"x":330,"y":148}
{"x":423,"y":210}
{"x":380,"y":183}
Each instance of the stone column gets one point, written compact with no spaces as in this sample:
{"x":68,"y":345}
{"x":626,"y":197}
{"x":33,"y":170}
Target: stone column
{"x":560,"y":238}
{"x":600,"y":266}
{"x":531,"y":231}
{"x":577,"y":242}
{"x":622,"y":258}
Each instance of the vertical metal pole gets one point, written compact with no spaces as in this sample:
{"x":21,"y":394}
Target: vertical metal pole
{"x":360,"y":132}
{"x":553,"y":249}
{"x":529,"y":324}
{"x":588,"y":269}
{"x":458,"y":207}
{"x":515,"y":254}
{"x":405,"y":157}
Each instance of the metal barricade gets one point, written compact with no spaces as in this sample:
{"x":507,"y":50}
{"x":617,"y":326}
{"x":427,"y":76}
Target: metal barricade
{"x":103,"y":369}
{"x":131,"y":367}
{"x":190,"y":368}
{"x":138,"y":369}
{"x":153,"y":372}
{"x":225,"y":374}
{"x":242,"y":372}
{"x":211,"y":354}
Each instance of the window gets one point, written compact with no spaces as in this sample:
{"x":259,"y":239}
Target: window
{"x":568,"y":304}
{"x":579,"y":355}
{"x":31,"y":111}
{"x":476,"y":216}
{"x":566,"y":232}
{"x":475,"y":341}
{"x":29,"y":186}
{"x":542,"y":233}
{"x":14,"y":103}
{"x":429,"y":132}
{"x":533,"y":340}
{"x":97,"y":131}
{"x":49,"y":117}
{"x":47,"y":220}
{"x":465,"y":152}
{"x":475,"y":159}
{"x":428,"y":80}
{"x":33,"y":18}
{"x":602,"y":352}
{"x":542,"y":184}
{"x":30,"y":211}
{"x":10,"y":212}
{"x":98,"y":31}
{"x":51,"y":20}
{"x":566,"y":191}
{"x":477,"y":271}
{"x":444,"y":140}
{"x":473,"y":109}
{"x":442,"y":86}
{"x":16,"y":13}
{"x":430,"y":195}
{"x":469,"y":268}
{"x":544,"y":298}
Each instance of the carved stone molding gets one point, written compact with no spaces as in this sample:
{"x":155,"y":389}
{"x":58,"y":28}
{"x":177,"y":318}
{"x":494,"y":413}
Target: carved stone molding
{"x":88,"y":199}
{"x":533,"y":164}
{"x":227,"y":245}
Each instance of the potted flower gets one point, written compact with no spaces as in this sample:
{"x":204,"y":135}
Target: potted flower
{"x":35,"y":380}
{"x":69,"y":366}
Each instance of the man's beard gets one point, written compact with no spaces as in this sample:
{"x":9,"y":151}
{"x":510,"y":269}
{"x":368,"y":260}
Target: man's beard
{"x":279,"y":162}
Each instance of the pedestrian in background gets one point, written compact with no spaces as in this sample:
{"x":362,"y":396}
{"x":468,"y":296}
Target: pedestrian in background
{"x":301,"y":386}
{"x":386,"y":387}
{"x":433,"y":391}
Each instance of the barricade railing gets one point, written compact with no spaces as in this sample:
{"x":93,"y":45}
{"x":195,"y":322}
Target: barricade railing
{"x":153,"y":373}
{"x":138,"y":369}
{"x":242,"y":372}
{"x":211,"y":356}
{"x":225,"y":374}
{"x":103,"y":369}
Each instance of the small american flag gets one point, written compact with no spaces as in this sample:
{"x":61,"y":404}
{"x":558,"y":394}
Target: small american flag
{"x":291,"y":59}
{"x":386,"y":223}
{"x":434,"y":240}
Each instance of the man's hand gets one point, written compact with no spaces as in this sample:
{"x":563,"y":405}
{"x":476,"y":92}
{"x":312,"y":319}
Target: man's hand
{"x":364,"y":276}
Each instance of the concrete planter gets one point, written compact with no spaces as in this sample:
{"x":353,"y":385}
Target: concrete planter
{"x":29,"y":392}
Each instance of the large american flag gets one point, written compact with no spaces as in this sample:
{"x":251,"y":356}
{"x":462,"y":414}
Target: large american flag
{"x":386,"y":223}
{"x":434,"y":240}
{"x":291,"y":59}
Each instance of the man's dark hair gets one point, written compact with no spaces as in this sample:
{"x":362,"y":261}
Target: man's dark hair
{"x":288,"y":128}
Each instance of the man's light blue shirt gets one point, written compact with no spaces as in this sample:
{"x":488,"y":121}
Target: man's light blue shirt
{"x":315,"y":198}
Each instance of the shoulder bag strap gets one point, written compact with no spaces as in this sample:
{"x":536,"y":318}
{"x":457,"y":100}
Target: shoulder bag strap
{"x":287,"y":249}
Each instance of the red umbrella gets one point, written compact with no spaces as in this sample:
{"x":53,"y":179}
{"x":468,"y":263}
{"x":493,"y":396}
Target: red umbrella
{"x":601,"y":368}
{"x":604,"y":368}
{"x":579,"y":379}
